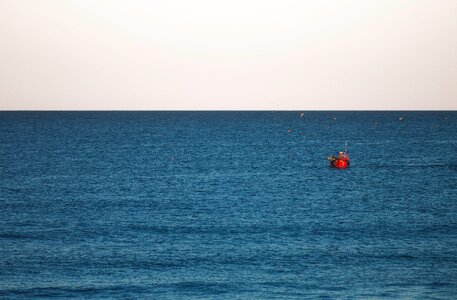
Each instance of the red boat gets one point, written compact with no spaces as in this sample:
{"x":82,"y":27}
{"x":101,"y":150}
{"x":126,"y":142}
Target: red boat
{"x":340,"y":162}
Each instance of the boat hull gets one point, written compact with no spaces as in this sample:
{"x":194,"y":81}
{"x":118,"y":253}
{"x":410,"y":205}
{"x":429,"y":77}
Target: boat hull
{"x":339,"y":163}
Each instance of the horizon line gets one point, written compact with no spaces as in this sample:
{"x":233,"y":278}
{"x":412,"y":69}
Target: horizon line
{"x":228,"y":110}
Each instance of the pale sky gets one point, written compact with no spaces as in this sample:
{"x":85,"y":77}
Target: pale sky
{"x":236,"y":54}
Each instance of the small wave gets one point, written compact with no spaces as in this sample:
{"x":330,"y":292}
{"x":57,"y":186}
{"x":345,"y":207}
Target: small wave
{"x":440,"y":284}
{"x":205,"y":287}
{"x":409,"y":165}
{"x":394,"y":257}
{"x":47,"y":292}
{"x":13,"y":235}
{"x":15,"y":190}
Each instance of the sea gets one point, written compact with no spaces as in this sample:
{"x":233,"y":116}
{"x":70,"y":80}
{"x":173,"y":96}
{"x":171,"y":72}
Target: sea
{"x":228,"y":205}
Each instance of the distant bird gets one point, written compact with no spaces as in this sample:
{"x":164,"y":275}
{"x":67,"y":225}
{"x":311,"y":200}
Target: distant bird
{"x":302,"y":114}
{"x":401,"y":118}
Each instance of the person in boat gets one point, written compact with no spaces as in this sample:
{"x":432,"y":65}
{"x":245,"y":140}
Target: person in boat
{"x":343,"y":156}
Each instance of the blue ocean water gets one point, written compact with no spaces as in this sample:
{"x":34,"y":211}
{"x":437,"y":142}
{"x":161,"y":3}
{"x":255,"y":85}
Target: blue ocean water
{"x":224,"y":205}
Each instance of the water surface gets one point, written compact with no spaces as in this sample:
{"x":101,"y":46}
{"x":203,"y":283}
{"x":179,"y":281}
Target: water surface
{"x":225,"y":205}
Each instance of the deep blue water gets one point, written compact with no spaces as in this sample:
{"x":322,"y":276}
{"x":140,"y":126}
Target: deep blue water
{"x":225,"y":205}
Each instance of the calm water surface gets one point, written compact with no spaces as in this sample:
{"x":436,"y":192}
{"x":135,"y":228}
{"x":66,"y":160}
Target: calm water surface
{"x":225,"y":205}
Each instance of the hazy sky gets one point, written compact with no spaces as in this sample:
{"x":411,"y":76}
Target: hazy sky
{"x":236,"y":54}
